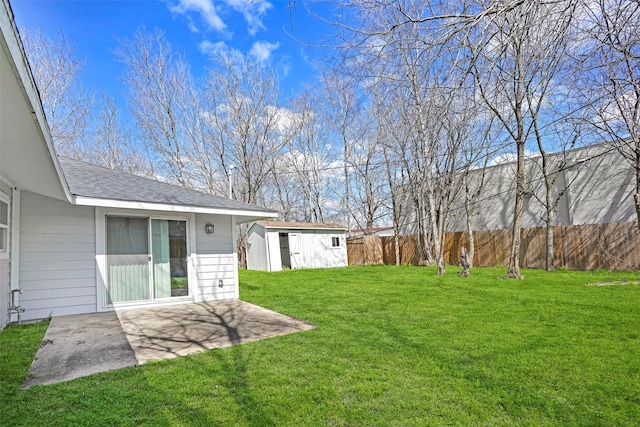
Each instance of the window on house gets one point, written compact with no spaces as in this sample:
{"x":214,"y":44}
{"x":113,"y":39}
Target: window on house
{"x":4,"y":227}
{"x":335,"y":242}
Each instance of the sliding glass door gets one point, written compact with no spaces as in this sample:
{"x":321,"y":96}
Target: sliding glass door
{"x":146,"y":259}
{"x":127,"y":259}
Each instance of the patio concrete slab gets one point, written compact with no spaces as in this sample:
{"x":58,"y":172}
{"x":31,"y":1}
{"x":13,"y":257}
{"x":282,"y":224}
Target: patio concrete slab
{"x":78,"y":346}
{"x":167,"y":332}
{"x":82,"y":345}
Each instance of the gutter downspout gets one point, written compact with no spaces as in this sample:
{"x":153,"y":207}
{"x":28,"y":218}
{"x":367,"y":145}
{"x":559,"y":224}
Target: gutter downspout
{"x":15,"y":309}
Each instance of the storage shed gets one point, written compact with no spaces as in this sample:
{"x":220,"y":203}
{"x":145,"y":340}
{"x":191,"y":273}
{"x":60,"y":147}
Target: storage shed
{"x":276,"y":245}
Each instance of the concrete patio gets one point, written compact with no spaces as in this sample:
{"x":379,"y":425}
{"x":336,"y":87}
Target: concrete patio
{"x":82,"y":345}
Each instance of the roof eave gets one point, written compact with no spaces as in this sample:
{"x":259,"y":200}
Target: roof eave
{"x":280,"y":227}
{"x":242,"y":215}
{"x":18,"y":59}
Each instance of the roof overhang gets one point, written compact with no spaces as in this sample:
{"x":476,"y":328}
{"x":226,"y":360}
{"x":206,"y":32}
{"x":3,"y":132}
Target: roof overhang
{"x":241,"y":215}
{"x":27,"y":156}
{"x":281,"y":227}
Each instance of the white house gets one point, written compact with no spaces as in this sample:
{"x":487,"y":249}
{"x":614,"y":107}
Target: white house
{"x":77,"y":238}
{"x":274,"y":245}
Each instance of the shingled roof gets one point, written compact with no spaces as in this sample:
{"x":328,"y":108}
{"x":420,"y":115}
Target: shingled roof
{"x":91,"y":181}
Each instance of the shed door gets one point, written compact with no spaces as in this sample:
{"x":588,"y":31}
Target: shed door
{"x":294,"y":247}
{"x":285,"y":254}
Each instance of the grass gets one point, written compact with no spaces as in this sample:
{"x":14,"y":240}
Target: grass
{"x":179,"y":283}
{"x":393,"y":346}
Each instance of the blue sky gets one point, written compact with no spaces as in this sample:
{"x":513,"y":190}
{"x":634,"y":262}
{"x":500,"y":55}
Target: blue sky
{"x":263,"y":29}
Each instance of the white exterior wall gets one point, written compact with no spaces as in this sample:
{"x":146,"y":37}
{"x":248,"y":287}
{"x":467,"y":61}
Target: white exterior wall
{"x":600,"y":192}
{"x":215,"y":258}
{"x":5,"y":295}
{"x":316,"y":250}
{"x":57,"y":257}
{"x":313,"y":246}
{"x":257,"y":249}
{"x":5,"y":270}
{"x":274,"y":259}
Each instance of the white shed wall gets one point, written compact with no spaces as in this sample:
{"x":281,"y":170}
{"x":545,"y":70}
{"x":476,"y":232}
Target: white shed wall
{"x":215,"y":259}
{"x":316,"y":250}
{"x":313,"y":249}
{"x":274,"y":259}
{"x":57,"y":257}
{"x":256,"y":249}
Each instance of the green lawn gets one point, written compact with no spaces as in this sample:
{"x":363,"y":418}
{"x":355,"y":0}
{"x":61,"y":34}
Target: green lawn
{"x":393,"y":346}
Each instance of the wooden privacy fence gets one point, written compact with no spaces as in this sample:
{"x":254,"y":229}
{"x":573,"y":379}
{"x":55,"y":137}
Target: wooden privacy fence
{"x":576,"y":247}
{"x":371,"y":250}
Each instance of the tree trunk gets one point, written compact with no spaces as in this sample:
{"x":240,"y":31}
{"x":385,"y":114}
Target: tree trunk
{"x":470,"y":238}
{"x":466,"y":265}
{"x":472,"y":247}
{"x":551,"y":220}
{"x":514,"y":257}
{"x":636,"y":196}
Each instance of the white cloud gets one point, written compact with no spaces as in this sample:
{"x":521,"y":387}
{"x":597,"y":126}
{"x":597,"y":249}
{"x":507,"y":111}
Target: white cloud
{"x":219,"y":49}
{"x":205,"y":8}
{"x":212,"y":49}
{"x":285,"y":67}
{"x":253,"y":12}
{"x":262,"y":50}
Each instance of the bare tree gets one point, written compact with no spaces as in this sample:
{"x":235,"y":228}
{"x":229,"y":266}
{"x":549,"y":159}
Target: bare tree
{"x":516,"y":54}
{"x":417,"y":47}
{"x":247,"y":128}
{"x":310,"y":153}
{"x":610,"y":76}
{"x":112,"y":146}
{"x":476,"y":155}
{"x":160,"y":88}
{"x":244,"y":113}
{"x":544,"y":100}
{"x":66,"y":104}
{"x":343,"y":116}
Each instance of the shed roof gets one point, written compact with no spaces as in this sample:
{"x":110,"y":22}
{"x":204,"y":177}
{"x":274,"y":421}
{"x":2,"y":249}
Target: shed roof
{"x":300,"y":225}
{"x":95,"y":182}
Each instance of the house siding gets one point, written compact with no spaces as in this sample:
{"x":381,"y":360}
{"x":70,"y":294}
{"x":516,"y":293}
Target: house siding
{"x":57,"y":257}
{"x":5,"y":294}
{"x":214,"y":258}
{"x":5,"y":268}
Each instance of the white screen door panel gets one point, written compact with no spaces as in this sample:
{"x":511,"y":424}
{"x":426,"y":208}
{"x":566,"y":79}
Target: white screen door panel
{"x":127,"y":259}
{"x":294,"y":247}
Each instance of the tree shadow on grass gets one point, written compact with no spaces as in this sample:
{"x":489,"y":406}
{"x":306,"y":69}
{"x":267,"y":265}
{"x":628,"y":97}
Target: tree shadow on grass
{"x":236,"y":380}
{"x":218,"y":389}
